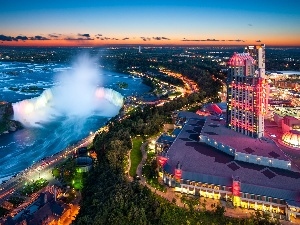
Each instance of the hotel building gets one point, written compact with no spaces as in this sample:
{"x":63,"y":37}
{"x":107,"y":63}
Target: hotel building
{"x":231,"y":160}
{"x":247,"y":92}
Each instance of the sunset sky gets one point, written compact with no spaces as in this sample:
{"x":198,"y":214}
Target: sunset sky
{"x":111,"y":22}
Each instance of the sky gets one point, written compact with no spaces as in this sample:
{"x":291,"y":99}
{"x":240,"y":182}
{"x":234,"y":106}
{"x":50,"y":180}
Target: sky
{"x":137,"y":22}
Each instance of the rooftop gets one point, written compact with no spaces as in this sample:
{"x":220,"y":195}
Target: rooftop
{"x":238,"y":59}
{"x":215,"y":129}
{"x":201,"y":162}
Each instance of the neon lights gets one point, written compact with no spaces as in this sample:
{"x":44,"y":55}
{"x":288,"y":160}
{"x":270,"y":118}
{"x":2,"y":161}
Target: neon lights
{"x":247,"y":94}
{"x":292,"y":138}
{"x":162,"y":160}
{"x":242,"y":86}
{"x":262,"y":90}
{"x":178,"y":173}
{"x":236,"y":188}
{"x":238,"y":59}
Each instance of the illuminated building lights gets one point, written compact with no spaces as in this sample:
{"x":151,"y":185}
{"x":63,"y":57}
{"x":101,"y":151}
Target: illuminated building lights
{"x":292,"y":138}
{"x":178,"y":174}
{"x":236,"y":188}
{"x":162,"y":160}
{"x":247,"y":99}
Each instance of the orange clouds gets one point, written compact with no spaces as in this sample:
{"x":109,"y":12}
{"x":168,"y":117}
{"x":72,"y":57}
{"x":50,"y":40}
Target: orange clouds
{"x":104,"y":41}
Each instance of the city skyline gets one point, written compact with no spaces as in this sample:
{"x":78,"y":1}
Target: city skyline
{"x":97,"y":23}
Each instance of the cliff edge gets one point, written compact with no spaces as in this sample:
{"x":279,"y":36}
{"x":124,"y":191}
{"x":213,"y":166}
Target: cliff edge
{"x":6,"y":123}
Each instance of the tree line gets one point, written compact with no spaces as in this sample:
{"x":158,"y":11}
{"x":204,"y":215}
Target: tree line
{"x":108,"y":197}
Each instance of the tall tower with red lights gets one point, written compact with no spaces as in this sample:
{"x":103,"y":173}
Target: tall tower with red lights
{"x":247,"y":92}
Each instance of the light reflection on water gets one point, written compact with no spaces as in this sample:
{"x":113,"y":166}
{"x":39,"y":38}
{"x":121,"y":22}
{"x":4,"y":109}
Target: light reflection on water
{"x":18,"y":150}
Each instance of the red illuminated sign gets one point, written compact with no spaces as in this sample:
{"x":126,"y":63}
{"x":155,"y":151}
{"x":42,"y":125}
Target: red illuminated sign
{"x":236,"y":188}
{"x":178,"y":173}
{"x":162,"y":160}
{"x":262,"y":97}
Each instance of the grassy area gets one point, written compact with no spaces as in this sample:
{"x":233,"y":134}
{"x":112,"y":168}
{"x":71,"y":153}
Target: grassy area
{"x":35,"y":186}
{"x":77,"y":182}
{"x":68,"y":173}
{"x":135,"y":155}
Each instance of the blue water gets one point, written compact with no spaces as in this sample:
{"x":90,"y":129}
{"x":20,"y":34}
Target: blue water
{"x":20,"y":149}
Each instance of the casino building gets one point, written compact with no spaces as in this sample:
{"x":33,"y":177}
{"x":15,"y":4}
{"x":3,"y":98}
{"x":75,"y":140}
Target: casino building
{"x":232,"y":160}
{"x":247,"y":92}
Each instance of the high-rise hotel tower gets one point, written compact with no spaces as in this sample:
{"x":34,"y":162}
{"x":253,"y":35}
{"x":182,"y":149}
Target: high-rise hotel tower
{"x":247,"y":92}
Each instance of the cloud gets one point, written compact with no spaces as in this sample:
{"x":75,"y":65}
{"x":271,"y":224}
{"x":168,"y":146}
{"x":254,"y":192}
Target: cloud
{"x":126,"y":38}
{"x":54,"y":35}
{"x":6,"y":38}
{"x":208,"y":39}
{"x":20,"y":37}
{"x":250,"y":25}
{"x":160,"y":38}
{"x":98,"y":35}
{"x":105,"y":38}
{"x":84,"y":35}
{"x":145,"y":38}
{"x":258,"y":41}
{"x":238,"y":40}
{"x":156,"y":38}
{"x":38,"y":37}
{"x":78,"y":39}
{"x":189,"y":39}
{"x":211,"y":40}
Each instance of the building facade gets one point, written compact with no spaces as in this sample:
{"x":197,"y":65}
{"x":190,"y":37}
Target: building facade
{"x":247,"y":92}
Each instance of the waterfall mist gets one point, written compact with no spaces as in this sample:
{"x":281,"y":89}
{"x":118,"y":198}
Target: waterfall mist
{"x":77,"y":94}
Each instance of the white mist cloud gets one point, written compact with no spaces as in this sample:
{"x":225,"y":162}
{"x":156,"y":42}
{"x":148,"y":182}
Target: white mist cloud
{"x":76,"y":95}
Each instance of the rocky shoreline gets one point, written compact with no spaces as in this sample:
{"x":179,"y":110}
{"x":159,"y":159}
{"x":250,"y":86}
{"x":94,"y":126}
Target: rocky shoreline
{"x":8,"y":125}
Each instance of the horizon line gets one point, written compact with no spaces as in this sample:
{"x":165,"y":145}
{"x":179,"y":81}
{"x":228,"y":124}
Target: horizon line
{"x":142,"y":45}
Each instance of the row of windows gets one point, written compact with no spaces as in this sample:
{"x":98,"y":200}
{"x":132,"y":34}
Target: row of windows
{"x":263,"y":198}
{"x":243,"y":195}
{"x":204,"y":185}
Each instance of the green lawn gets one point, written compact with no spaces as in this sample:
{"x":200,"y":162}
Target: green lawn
{"x":135,"y":155}
{"x":34,"y":186}
{"x":77,"y":181}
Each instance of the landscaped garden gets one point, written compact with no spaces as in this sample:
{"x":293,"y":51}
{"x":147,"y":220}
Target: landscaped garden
{"x":150,"y":172}
{"x":135,"y":155}
{"x":34,"y":186}
{"x":68,"y":174}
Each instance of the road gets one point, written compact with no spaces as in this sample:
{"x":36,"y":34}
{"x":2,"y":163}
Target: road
{"x":41,"y":169}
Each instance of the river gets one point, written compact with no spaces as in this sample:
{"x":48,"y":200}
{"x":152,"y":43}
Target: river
{"x":19,"y":150}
